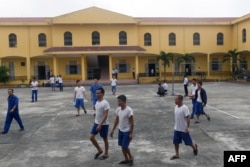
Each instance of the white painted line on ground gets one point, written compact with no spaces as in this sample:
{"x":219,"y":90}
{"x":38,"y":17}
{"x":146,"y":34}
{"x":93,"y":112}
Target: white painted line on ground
{"x":222,"y":111}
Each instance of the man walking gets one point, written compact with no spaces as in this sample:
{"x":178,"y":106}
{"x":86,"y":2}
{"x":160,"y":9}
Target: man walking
{"x":201,"y":101}
{"x":79,"y":93}
{"x":34,"y":90}
{"x":185,"y":83}
{"x":181,"y":132}
{"x":192,"y":96}
{"x":93,"y":89}
{"x":124,"y":116}
{"x":101,"y":124}
{"x":12,"y":112}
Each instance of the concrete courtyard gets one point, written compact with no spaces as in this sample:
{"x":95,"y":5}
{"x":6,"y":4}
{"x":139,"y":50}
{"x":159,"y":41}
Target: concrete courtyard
{"x":55,"y":137}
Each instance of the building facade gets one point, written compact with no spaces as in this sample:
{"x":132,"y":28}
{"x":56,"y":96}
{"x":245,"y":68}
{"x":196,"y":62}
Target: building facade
{"x":91,"y":42}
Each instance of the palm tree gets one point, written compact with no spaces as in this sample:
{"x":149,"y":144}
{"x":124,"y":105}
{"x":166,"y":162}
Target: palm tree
{"x":165,"y":58}
{"x":233,"y":55}
{"x":186,"y":58}
{"x":4,"y":76}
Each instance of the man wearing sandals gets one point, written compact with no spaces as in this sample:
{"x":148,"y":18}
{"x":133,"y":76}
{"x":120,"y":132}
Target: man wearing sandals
{"x":201,"y":101}
{"x":181,"y":132}
{"x":124,"y":116}
{"x":101,"y":124}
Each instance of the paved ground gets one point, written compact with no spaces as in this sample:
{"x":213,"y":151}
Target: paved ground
{"x":54,"y":137}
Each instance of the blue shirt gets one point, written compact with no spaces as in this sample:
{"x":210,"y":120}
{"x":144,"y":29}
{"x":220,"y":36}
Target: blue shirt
{"x":12,"y":101}
{"x":93,"y":89}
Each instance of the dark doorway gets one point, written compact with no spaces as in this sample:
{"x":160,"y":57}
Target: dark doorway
{"x":151,"y":70}
{"x":41,"y":72}
{"x":103,"y":62}
{"x":188,"y":70}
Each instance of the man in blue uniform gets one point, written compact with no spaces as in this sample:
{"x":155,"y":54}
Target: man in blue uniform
{"x":13,"y":112}
{"x":93,"y":89}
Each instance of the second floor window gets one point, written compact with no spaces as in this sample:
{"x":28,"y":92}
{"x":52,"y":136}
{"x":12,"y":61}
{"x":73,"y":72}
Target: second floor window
{"x":42,"y":40}
{"x":196,"y":39}
{"x":147,"y":39}
{"x":67,"y":38}
{"x":220,"y":39}
{"x":244,"y":35}
{"x":12,"y":40}
{"x":95,"y":38}
{"x":122,"y":38}
{"x":172,"y":39}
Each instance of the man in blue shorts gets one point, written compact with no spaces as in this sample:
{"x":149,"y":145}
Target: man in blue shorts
{"x":124,"y":116}
{"x":182,"y":122}
{"x":79,"y":94}
{"x":201,"y":102}
{"x":93,"y":89}
{"x":101,"y":124}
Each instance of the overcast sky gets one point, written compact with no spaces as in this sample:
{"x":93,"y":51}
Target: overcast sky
{"x":134,"y":8}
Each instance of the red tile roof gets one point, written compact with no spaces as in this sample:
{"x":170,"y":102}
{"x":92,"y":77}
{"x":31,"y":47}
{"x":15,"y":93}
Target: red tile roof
{"x":95,"y":48}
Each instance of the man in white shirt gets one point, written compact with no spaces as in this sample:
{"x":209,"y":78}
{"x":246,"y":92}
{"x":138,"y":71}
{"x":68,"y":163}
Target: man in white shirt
{"x":192,"y":96}
{"x":124,"y":116}
{"x":181,"y":132}
{"x":113,"y":85}
{"x":79,"y":93}
{"x":60,"y":82}
{"x":165,"y":86}
{"x":52,"y":82}
{"x":185,"y":83}
{"x":101,"y":124}
{"x":34,"y":89}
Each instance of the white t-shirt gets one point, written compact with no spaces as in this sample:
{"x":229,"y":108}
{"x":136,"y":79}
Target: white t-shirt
{"x":60,"y":80}
{"x":180,"y":117}
{"x":34,"y":85}
{"x":100,"y":107}
{"x":124,"y":115}
{"x":193,"y":89}
{"x":199,"y":96}
{"x":165,"y":86}
{"x":113,"y":82}
{"x":79,"y":92}
{"x":185,"y":82}
{"x":52,"y":80}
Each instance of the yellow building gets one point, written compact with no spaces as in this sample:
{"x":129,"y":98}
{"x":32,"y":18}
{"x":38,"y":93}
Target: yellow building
{"x":91,"y":42}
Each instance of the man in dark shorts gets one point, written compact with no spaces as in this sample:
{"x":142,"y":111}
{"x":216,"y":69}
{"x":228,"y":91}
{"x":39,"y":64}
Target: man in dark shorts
{"x":181,"y":127}
{"x":101,"y":124}
{"x":124,"y":116}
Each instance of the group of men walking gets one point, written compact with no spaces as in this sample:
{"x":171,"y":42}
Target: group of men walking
{"x":124,"y":117}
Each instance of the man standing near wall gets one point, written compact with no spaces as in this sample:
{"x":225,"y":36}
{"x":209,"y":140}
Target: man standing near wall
{"x":185,"y":83}
{"x":34,"y":90}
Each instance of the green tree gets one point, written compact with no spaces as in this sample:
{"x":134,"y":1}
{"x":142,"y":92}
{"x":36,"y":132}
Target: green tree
{"x":233,"y":55}
{"x":165,"y":58}
{"x":4,"y":76}
{"x":185,"y":58}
